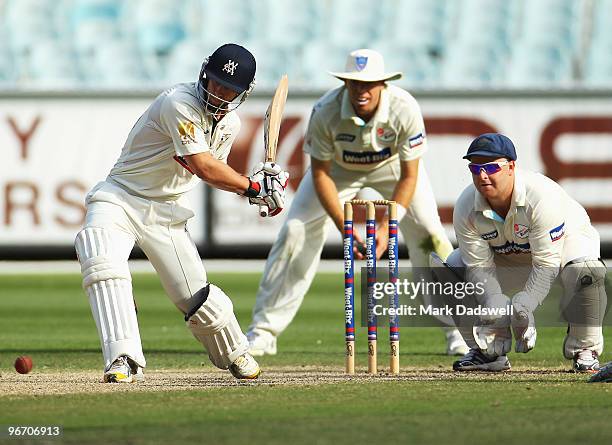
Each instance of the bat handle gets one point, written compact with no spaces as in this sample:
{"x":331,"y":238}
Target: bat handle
{"x":263,"y":210}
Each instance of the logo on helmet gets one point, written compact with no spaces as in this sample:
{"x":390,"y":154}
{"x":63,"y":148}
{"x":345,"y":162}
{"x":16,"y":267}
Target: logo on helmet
{"x":230,"y":67}
{"x":361,"y":62}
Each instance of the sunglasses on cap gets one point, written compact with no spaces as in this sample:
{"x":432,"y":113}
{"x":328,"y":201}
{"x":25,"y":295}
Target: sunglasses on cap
{"x":489,"y":168}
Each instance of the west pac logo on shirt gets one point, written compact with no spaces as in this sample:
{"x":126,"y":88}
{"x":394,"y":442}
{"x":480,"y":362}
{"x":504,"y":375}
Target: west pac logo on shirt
{"x":385,"y":134}
{"x":368,"y":157}
{"x":187,"y":132}
{"x":557,"y":233}
{"x":521,"y":231}
{"x":511,"y":248}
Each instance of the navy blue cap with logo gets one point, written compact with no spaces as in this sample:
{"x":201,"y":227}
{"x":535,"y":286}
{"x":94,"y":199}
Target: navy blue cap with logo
{"x":494,"y":145}
{"x":232,"y":66}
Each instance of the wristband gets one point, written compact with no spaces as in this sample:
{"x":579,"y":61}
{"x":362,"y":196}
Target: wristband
{"x":253,"y":190}
{"x":401,"y":212}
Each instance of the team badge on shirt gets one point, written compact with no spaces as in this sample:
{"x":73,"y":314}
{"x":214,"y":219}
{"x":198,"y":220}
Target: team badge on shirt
{"x":385,"y":134}
{"x":521,"y":231}
{"x":187,"y":132}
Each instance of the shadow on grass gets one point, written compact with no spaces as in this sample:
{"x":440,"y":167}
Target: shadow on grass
{"x":96,"y":351}
{"x":359,"y":353}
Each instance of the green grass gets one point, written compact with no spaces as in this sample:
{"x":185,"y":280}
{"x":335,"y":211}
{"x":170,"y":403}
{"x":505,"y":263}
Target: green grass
{"x":48,"y":318}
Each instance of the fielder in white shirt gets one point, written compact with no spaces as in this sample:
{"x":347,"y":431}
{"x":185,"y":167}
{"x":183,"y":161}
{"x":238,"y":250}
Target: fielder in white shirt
{"x":365,"y":133}
{"x":183,"y":137}
{"x":519,"y":230}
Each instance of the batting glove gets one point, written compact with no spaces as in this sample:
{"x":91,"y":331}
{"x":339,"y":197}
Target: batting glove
{"x":269,"y":182}
{"x":269,"y":168}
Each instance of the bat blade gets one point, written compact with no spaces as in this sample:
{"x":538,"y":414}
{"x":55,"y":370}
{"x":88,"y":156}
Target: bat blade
{"x":272,"y":124}
{"x":273,"y":118}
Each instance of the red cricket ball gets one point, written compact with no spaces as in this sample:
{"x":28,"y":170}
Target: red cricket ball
{"x":23,"y":364}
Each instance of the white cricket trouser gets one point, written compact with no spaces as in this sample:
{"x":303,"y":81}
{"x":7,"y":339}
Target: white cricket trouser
{"x":295,"y":255}
{"x":115,"y":221}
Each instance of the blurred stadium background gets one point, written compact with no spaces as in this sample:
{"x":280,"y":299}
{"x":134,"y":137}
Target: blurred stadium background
{"x":72,"y":44}
{"x":75,"y":74}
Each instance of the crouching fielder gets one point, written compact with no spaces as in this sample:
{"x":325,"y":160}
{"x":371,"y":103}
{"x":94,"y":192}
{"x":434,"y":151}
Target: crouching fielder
{"x":520,"y":230}
{"x":185,"y":134}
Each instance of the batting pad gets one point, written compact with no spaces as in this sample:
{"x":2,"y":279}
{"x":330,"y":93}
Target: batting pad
{"x":107,"y":282}
{"x":215,"y":326}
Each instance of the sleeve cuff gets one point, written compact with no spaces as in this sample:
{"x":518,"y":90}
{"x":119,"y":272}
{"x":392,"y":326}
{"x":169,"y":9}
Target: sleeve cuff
{"x":401,"y":212}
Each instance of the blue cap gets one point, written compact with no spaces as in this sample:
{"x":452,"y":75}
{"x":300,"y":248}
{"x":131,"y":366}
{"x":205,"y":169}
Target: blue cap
{"x":494,"y":145}
{"x":231,"y":65}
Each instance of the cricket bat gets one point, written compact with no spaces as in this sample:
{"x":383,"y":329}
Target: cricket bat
{"x":272,"y":123}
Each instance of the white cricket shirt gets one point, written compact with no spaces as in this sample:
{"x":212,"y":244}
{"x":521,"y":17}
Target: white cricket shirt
{"x":336,"y":133}
{"x":174,"y":125}
{"x":544,"y":226}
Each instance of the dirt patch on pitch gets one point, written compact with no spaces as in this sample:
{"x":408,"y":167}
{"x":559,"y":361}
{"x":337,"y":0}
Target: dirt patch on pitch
{"x":78,"y":382}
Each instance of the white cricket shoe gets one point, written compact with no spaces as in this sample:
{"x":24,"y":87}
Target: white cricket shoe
{"x":261,"y":344}
{"x":476,"y":360}
{"x":123,"y":370}
{"x":455,"y":345}
{"x":586,"y":361}
{"x":245,"y":367}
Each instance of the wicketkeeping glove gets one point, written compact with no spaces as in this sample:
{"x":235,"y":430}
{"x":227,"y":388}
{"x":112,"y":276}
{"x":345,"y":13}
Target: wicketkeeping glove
{"x":267,"y":188}
{"x":523,"y":322}
{"x":493,"y":342}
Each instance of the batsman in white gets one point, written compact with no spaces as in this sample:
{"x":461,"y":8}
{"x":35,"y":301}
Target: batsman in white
{"x":183,"y":137}
{"x":365,"y":133}
{"x":519,"y":230}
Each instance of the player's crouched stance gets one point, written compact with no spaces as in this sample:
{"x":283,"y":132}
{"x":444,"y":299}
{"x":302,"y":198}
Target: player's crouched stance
{"x":519,"y":230}
{"x":185,"y":135}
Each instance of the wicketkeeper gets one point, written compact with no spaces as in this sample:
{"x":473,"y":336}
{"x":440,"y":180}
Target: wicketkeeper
{"x":183,"y":137}
{"x":517,"y":231}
